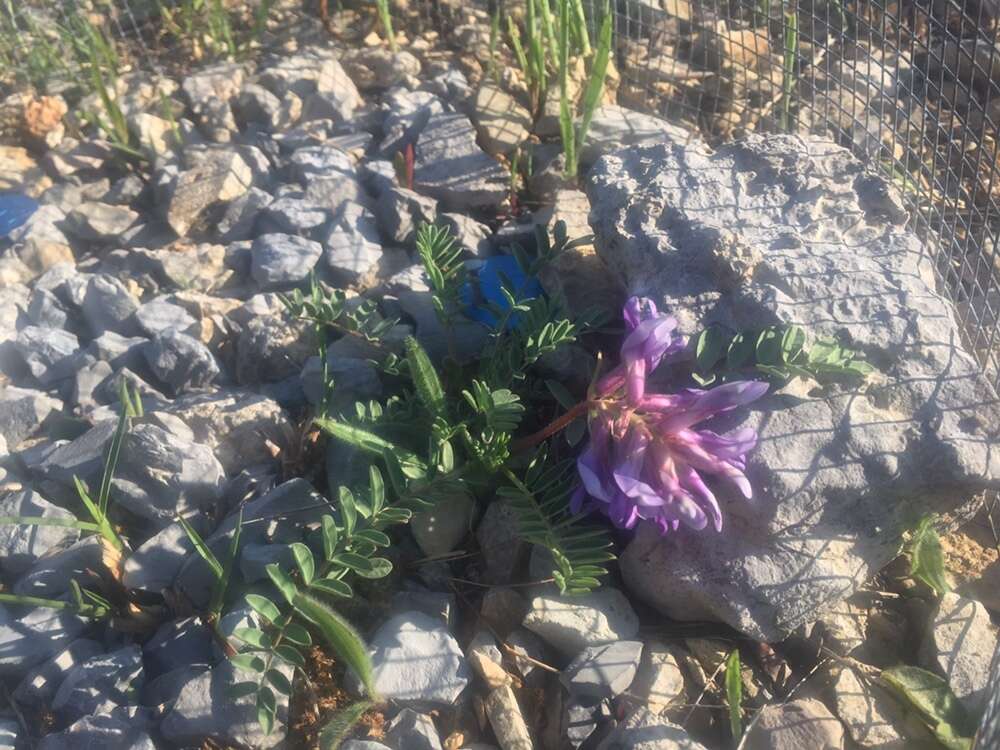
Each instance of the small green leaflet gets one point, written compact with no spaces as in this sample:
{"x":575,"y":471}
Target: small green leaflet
{"x":263,"y":607}
{"x":281,"y":580}
{"x":926,"y":557}
{"x":934,"y":701}
{"x":304,"y":560}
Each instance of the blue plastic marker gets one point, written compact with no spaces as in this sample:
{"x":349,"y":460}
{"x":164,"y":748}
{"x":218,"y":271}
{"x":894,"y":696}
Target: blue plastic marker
{"x":486,"y":288}
{"x":15,"y":209}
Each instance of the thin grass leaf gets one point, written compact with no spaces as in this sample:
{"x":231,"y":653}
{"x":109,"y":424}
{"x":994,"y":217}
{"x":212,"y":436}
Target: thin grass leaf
{"x":734,"y":694}
{"x":595,"y":83}
{"x":222,"y":583}
{"x":105,"y":528}
{"x":201,"y":548}
{"x":48,"y":521}
{"x":341,"y":636}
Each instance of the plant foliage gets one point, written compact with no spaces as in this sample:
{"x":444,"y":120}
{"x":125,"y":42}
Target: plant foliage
{"x":926,"y":557}
{"x":932,"y":699}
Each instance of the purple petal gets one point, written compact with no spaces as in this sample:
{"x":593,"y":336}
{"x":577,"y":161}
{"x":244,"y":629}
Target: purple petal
{"x":693,"y":482}
{"x":590,"y":470}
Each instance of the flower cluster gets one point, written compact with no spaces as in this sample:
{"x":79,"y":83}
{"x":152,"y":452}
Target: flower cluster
{"x":645,"y":459}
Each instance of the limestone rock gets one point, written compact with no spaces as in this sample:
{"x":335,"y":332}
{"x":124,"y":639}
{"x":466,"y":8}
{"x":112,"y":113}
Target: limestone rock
{"x":416,"y":659}
{"x":572,"y":623}
{"x":827,"y":265}
{"x":643,"y":730}
{"x":506,"y":719}
{"x":451,"y":167}
{"x":959,"y":645}
{"x":503,"y":123}
{"x":798,"y":724}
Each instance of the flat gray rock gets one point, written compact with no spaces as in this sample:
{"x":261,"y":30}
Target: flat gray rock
{"x":108,"y":306}
{"x":180,"y":361}
{"x":959,"y":645}
{"x":48,"y":353}
{"x":120,"y":729}
{"x":644,"y":730}
{"x":160,"y":315}
{"x":571,"y":623}
{"x":30,"y":638}
{"x":788,"y":229}
{"x":282,"y":260}
{"x":451,"y":167}
{"x":100,"y":684}
{"x":417,"y":660}
{"x":798,"y":724}
{"x":39,"y":686}
{"x":100,"y":221}
{"x":22,"y":411}
{"x":410,"y":730}
{"x":603,"y":671}
{"x":156,"y":562}
{"x":21,"y":545}
{"x":205,"y":708}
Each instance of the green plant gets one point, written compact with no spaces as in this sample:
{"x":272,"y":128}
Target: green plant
{"x":934,"y":702}
{"x":385,"y":16}
{"x":325,"y":310}
{"x":734,"y":694}
{"x":98,"y":509}
{"x":777,"y":351}
{"x":349,"y":549}
{"x":926,"y":557}
{"x":574,"y":136}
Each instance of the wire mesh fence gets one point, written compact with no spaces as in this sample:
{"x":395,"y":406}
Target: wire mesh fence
{"x":912,"y":87}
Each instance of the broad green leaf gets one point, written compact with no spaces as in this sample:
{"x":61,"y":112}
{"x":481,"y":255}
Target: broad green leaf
{"x":425,"y":378}
{"x":333,"y":586}
{"x":378,"y":538}
{"x":769,"y":347}
{"x":341,"y":722}
{"x":560,"y":394}
{"x":348,"y":510}
{"x":250,"y":662}
{"x":353,"y":561}
{"x":379,"y":567}
{"x":266,"y":709}
{"x":295,"y":633}
{"x":376,"y":487}
{"x":709,"y":346}
{"x":279,"y":681}
{"x":241,"y":689}
{"x":792,"y":343}
{"x":934,"y":701}
{"x":741,"y":351}
{"x":254,"y":637}
{"x":263,"y":607}
{"x":280,"y":579}
{"x":926,"y":557}
{"x":824,"y":351}
{"x":304,"y":560}
{"x":341,"y":636}
{"x":290,"y":654}
{"x":330,"y":536}
{"x":734,"y":694}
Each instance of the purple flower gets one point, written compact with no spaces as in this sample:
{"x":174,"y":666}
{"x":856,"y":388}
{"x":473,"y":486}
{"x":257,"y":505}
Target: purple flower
{"x":646,"y":459}
{"x":650,"y":340}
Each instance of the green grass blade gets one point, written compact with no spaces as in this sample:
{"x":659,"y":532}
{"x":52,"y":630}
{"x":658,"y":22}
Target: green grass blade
{"x":565,"y":110}
{"x":580,"y":28}
{"x":222,"y":582}
{"x":104,"y":526}
{"x":199,"y":544}
{"x":385,"y":16}
{"x":734,"y":694}
{"x":340,"y":635}
{"x":48,"y":521}
{"x":598,"y":71}
{"x":111,"y":461}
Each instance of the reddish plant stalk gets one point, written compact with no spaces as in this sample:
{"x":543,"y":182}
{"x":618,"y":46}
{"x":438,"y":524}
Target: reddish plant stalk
{"x":557,"y":425}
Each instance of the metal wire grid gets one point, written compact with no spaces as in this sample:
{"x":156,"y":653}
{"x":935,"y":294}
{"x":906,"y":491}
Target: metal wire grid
{"x":910,"y":87}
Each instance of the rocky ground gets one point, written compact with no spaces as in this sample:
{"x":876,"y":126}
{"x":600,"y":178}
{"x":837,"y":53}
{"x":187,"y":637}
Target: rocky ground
{"x":166,"y":277}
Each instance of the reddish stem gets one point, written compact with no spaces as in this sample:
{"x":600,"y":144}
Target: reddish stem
{"x":557,"y":425}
